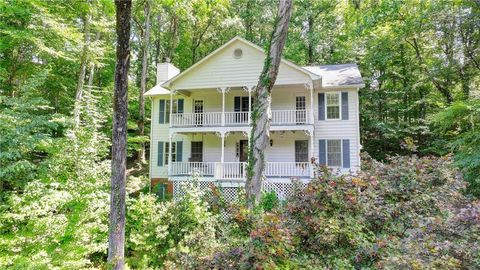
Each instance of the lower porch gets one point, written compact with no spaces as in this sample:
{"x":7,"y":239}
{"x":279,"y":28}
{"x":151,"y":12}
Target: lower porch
{"x":223,"y":156}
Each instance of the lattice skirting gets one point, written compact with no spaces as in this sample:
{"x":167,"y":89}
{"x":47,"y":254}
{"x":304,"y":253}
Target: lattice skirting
{"x":230,"y":190}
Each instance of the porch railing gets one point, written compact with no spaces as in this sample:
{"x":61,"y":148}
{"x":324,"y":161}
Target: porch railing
{"x":279,"y":117}
{"x":236,"y":118}
{"x":196,"y":119}
{"x":287,"y":169}
{"x":188,"y":168}
{"x":238,"y":170}
{"x":290,"y":117}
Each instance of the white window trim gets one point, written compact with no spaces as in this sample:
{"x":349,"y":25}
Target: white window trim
{"x":295,"y":101}
{"x":339,"y":93}
{"x":167,"y":110}
{"x":165,"y":153}
{"x":341,"y":152}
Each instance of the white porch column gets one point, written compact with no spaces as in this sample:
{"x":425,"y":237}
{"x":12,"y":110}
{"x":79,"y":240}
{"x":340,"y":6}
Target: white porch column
{"x":223,"y":90}
{"x":310,"y":87}
{"x":171,"y":109}
{"x":247,"y":134}
{"x":312,"y":151}
{"x":170,"y":137}
{"x":249,"y":89}
{"x":222,"y":158}
{"x":222,"y":135}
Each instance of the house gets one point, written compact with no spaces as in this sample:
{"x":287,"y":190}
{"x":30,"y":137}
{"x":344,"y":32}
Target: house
{"x":201,"y":118}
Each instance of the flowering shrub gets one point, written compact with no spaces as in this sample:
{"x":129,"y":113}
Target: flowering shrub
{"x":409,"y":213}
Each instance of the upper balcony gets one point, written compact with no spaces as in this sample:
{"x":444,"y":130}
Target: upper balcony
{"x":229,"y":119}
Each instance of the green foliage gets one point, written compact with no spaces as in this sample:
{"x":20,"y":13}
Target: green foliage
{"x":269,"y":201}
{"x":169,"y":234}
{"x":459,"y":123}
{"x":27,"y":127}
{"x":407,"y":213}
{"x":60,"y":219}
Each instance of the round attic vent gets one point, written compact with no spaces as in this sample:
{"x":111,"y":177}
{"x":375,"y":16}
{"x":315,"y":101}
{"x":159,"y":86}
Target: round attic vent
{"x":237,"y":53}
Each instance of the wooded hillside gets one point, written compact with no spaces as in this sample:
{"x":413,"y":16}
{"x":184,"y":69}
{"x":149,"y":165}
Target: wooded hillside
{"x":420,"y":61}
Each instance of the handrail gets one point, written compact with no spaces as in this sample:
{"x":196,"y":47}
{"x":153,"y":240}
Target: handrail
{"x":238,"y":170}
{"x":279,"y":117}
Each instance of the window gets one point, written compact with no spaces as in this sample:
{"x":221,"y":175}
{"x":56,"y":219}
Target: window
{"x":333,"y":105}
{"x":197,"y":152}
{"x":301,"y":151}
{"x":167,"y":109}
{"x":334,"y":153}
{"x":300,"y":107}
{"x":174,"y":152}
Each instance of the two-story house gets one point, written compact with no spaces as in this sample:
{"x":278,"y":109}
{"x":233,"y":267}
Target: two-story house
{"x":201,"y":118}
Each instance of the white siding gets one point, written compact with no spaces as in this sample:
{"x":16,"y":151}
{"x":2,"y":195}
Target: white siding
{"x":340,"y":129}
{"x":223,"y":70}
{"x":283,"y":150}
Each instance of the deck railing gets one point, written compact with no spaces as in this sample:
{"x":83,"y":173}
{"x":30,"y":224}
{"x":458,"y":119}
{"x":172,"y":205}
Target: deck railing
{"x":290,"y":117}
{"x":236,"y":118}
{"x":196,"y":119}
{"x":279,"y":117}
{"x":238,"y":170}
{"x":287,"y":169}
{"x":188,"y":168}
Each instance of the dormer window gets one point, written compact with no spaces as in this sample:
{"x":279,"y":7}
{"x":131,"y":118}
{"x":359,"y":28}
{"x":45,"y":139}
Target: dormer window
{"x":237,"y":53}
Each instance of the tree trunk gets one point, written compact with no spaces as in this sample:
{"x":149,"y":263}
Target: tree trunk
{"x":83,"y":68}
{"x":143,"y":82}
{"x":261,"y":114}
{"x":116,"y":239}
{"x":310,"y":44}
{"x":90,"y":99}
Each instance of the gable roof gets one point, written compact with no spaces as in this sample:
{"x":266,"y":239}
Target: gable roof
{"x":305,"y":72}
{"x":338,"y":75}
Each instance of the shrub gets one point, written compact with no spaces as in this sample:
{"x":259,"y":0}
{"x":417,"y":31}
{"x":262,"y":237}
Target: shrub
{"x":170,"y":234}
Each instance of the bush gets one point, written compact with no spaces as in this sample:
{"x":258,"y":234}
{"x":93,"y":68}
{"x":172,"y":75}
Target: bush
{"x":170,"y":234}
{"x":409,"y":213}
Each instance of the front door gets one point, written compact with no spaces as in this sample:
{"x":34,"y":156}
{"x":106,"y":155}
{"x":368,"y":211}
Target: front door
{"x":198,"y":110}
{"x":241,"y":106}
{"x":197,"y":152}
{"x":300,"y":107}
{"x":301,"y":151}
{"x":243,"y":150}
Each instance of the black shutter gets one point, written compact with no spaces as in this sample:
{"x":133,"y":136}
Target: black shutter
{"x":344,"y":105}
{"x":179,"y":151}
{"x":161,"y":109}
{"x":236,"y":104}
{"x":346,"y":153}
{"x":180,"y":106}
{"x":321,"y":106}
{"x":160,"y":154}
{"x":322,"y":152}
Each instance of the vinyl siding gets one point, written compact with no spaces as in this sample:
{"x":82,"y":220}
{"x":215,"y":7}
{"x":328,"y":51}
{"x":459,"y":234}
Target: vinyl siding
{"x":340,"y":129}
{"x":223,"y":70}
{"x":283,"y":150}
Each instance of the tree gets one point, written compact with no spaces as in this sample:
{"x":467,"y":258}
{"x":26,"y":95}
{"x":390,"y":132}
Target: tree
{"x":262,"y":114}
{"x":83,"y":68}
{"x":116,"y":239}
{"x":143,"y":80}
